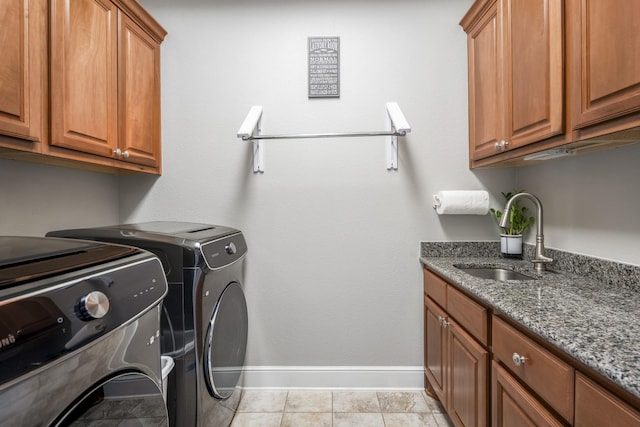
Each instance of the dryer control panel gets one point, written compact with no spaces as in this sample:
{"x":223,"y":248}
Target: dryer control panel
{"x":220,"y":253}
{"x":71,"y":311}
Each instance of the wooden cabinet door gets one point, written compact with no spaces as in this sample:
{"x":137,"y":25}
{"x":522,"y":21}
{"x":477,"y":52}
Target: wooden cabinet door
{"x":84,"y":76}
{"x":597,"y":407}
{"x":468,"y":386}
{"x":513,"y":406}
{"x":139,"y":94}
{"x":605,"y":60}
{"x":23,"y":91}
{"x":435,"y":348}
{"x":485,"y":107}
{"x":532,"y":32}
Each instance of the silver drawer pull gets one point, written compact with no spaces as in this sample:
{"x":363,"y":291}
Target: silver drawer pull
{"x":518,"y":360}
{"x":502,"y":145}
{"x":443,"y":321}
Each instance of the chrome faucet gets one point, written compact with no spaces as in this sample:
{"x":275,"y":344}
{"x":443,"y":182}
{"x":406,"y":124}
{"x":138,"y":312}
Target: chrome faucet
{"x":539,"y":261}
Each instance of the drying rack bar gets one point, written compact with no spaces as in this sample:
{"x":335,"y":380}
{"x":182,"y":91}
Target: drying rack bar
{"x":324,"y":135}
{"x":251,"y":128}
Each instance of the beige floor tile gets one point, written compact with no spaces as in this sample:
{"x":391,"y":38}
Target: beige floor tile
{"x":343,"y":419}
{"x":432,"y":403}
{"x":423,"y":419}
{"x":309,"y":401}
{"x":262,"y":401}
{"x":402,"y":402}
{"x":263,"y":419}
{"x":307,"y":419}
{"x":355,"y":401}
{"x":443,"y":420}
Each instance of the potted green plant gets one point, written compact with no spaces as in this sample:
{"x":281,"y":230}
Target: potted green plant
{"x":519,"y":221}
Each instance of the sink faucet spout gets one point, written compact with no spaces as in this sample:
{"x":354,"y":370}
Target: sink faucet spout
{"x":540,"y":260}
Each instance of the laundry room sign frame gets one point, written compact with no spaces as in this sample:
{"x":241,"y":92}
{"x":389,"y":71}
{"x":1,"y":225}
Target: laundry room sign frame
{"x":324,"y":67}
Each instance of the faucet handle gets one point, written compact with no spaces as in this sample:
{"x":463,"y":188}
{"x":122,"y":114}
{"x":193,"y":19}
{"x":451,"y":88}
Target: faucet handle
{"x":540,"y":262}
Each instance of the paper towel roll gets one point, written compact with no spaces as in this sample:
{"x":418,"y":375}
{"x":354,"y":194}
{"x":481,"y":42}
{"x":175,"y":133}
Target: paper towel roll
{"x":461,"y":202}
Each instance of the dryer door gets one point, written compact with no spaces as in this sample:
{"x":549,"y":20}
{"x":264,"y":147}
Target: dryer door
{"x":226,"y":342}
{"x":130,"y":399}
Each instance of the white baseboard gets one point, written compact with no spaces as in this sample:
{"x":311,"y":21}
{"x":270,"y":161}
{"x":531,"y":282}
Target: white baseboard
{"x":334,"y":377}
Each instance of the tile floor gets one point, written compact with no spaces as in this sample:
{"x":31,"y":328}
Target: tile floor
{"x":281,"y":408}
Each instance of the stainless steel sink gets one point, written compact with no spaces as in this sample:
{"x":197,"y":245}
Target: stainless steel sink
{"x":495,"y":273}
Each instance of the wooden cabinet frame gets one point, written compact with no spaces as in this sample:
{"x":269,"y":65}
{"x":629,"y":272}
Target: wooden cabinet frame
{"x":553,"y":73}
{"x":81,"y":84}
{"x":494,"y":390}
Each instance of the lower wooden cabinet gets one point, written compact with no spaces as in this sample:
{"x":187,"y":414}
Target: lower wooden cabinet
{"x":486,"y":370}
{"x":513,"y":405}
{"x":596,"y":407}
{"x":547,"y":375}
{"x":456,"y":362}
{"x":435,"y":356}
{"x":468,"y":362}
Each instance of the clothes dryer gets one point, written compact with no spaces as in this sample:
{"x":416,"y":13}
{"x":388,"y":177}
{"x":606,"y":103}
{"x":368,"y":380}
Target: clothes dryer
{"x":79,"y":334}
{"x":204,"y":321}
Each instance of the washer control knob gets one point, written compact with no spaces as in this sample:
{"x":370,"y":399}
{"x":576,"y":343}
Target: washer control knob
{"x":94,"y":305}
{"x":231,"y":248}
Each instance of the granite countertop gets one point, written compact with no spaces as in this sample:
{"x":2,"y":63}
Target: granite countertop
{"x":595,"y":321}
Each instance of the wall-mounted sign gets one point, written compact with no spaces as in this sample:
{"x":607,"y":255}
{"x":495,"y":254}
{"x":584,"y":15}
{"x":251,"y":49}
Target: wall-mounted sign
{"x":324,"y":67}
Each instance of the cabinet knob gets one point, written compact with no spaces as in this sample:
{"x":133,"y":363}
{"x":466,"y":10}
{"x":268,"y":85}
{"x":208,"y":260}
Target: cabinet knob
{"x":119,"y":153}
{"x":502,"y":145}
{"x":443,"y":321}
{"x":518,"y":360}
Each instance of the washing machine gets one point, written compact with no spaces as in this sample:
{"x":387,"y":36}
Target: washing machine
{"x":204,"y":320}
{"x":79,"y":334}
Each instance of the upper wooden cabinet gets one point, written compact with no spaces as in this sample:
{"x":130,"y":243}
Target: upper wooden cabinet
{"x":23,"y":88}
{"x":105,"y":85}
{"x":516,"y":91}
{"x":138,"y":95}
{"x":605,"y":62}
{"x":550,"y":73}
{"x":80,"y":83}
{"x":84,"y":71}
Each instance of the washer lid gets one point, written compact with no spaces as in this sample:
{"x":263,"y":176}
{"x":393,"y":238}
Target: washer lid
{"x":25,"y":259}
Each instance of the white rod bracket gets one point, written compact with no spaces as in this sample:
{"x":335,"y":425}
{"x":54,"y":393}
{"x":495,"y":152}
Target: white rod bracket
{"x":251,"y":127}
{"x":399,"y":125}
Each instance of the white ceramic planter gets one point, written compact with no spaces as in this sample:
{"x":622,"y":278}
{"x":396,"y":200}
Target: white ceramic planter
{"x":511,"y":244}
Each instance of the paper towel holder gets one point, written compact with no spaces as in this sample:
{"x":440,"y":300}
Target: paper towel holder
{"x":251,"y":128}
{"x":470,"y":202}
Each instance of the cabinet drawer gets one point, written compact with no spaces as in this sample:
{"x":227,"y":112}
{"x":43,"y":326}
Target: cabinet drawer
{"x":547,"y":375}
{"x":597,"y":407}
{"x":435,"y":287}
{"x":512,"y":405}
{"x":469,"y":314}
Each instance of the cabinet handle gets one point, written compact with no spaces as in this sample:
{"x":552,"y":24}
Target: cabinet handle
{"x":518,"y":360}
{"x":502,"y":145}
{"x":119,"y":153}
{"x":443,"y":321}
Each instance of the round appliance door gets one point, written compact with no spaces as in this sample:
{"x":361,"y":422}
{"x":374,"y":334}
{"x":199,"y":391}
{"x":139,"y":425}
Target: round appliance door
{"x":131,"y":399}
{"x":226,"y":342}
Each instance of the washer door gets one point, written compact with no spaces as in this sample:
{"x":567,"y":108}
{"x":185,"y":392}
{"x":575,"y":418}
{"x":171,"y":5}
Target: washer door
{"x":128,"y":399}
{"x":226,"y":342}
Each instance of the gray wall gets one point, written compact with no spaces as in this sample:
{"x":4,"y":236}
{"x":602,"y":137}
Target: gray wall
{"x":333,"y":278}
{"x":591,"y":202}
{"x":35,"y":198}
